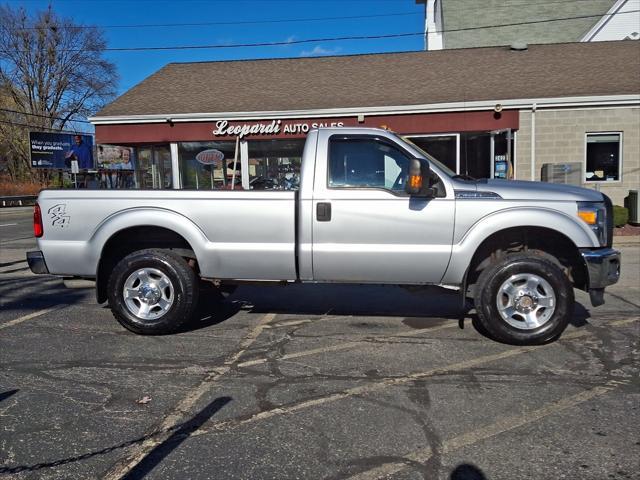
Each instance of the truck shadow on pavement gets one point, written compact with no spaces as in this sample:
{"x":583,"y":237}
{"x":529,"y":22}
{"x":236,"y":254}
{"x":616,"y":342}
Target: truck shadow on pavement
{"x":354,"y":300}
{"x":178,"y":434}
{"x":7,"y":394}
{"x":32,"y":293}
{"x":420,"y":307}
{"x":467,"y":471}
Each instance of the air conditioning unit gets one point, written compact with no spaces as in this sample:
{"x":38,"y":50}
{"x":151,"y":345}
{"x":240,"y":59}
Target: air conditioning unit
{"x":632,"y":202}
{"x":568,"y":173}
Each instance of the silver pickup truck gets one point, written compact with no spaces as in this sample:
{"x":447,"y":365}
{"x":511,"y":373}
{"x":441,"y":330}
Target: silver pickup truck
{"x":371,"y":207}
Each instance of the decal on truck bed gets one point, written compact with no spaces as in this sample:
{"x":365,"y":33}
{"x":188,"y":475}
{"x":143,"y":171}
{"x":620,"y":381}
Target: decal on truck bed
{"x":58,"y":215}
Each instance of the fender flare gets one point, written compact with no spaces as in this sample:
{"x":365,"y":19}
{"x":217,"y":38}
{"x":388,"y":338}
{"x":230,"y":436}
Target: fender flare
{"x":517,"y":217}
{"x":141,"y":217}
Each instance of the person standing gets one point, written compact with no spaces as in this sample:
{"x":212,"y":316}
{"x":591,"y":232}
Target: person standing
{"x":82,"y":152}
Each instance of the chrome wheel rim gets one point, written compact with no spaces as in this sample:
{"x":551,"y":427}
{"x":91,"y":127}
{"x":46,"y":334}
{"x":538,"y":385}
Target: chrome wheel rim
{"x":526,"y":301}
{"x":148,"y":293}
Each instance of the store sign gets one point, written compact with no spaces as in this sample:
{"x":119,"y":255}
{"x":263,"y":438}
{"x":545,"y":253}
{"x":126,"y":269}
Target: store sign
{"x":210,"y":157}
{"x":275,"y":127}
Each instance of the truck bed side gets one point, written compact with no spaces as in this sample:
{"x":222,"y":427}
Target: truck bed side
{"x":239,"y":234}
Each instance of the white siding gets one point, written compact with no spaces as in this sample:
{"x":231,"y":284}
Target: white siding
{"x":621,"y":22}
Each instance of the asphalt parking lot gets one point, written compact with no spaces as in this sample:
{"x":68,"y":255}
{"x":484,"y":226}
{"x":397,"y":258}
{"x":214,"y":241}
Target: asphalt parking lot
{"x":307,"y":382}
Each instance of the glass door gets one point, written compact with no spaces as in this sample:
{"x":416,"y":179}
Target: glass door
{"x":154,"y":167}
{"x":475,"y":155}
{"x":501,"y":154}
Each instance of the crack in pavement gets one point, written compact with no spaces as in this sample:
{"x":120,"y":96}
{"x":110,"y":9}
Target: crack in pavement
{"x":182,"y":409}
{"x":343,"y":346}
{"x":423,"y":456}
{"x":371,"y":387}
{"x":249,"y":339}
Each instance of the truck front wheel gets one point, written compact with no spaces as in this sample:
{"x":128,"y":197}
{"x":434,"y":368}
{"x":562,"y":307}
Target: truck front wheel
{"x":153,"y":292}
{"x":524,"y":299}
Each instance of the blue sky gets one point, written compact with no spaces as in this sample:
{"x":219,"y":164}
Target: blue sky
{"x":133,"y":67}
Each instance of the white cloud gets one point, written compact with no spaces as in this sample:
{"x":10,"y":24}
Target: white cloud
{"x":320,"y":50}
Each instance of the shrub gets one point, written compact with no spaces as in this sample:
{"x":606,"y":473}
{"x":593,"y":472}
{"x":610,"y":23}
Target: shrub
{"x":10,"y":187}
{"x":620,"y":216}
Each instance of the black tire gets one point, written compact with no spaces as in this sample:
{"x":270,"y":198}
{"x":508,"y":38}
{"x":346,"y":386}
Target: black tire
{"x":183,"y":298}
{"x":494,"y":277}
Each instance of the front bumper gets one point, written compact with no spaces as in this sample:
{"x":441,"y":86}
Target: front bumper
{"x":603,"y":269}
{"x":36,"y":262}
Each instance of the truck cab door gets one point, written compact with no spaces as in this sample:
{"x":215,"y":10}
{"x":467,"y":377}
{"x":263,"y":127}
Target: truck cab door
{"x":365,"y":227}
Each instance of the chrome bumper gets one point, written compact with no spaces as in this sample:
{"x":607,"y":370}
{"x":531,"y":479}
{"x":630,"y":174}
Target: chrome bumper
{"x":603,"y":269}
{"x":36,"y":262}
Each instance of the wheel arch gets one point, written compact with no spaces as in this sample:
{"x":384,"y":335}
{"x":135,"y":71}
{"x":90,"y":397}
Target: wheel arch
{"x":530,"y":220}
{"x":139,"y":229}
{"x":538,"y":241}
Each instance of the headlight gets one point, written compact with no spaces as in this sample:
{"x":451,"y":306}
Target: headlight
{"x":594,"y":214}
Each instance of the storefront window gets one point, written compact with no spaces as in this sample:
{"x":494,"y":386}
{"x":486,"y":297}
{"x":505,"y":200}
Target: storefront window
{"x":126,"y":167}
{"x":275,"y":164}
{"x":154,"y":167}
{"x":482,"y":151}
{"x":209,"y":165}
{"x":603,"y":157}
{"x":440,"y":147}
{"x":470,"y":153}
{"x":475,"y":155}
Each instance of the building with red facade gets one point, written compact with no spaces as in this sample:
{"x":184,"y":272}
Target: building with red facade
{"x":485,"y":112}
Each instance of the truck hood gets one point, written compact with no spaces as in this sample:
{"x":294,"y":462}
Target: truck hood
{"x":522,"y":190}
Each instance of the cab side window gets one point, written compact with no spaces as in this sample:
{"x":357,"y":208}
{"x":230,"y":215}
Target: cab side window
{"x":366,"y":163}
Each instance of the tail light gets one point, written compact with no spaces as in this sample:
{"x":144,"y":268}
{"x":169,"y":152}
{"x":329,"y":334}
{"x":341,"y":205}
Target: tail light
{"x":37,"y":221}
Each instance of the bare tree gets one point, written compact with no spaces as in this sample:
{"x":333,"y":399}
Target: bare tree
{"x":52,"y":72}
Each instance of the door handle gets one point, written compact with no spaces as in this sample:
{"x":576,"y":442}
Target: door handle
{"x":323,"y":211}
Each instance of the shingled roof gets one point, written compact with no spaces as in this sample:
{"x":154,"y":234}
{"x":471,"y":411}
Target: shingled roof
{"x":390,"y":79}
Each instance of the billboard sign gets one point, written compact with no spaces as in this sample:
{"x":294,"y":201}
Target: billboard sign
{"x":59,"y":150}
{"x":116,"y":157}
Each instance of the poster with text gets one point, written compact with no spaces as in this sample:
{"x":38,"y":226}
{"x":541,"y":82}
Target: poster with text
{"x":58,"y":150}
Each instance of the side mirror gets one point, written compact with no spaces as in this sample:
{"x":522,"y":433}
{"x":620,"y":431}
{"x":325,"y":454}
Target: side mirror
{"x":418,"y":179}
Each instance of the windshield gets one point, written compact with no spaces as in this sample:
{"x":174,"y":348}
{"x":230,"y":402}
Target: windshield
{"x":440,"y":165}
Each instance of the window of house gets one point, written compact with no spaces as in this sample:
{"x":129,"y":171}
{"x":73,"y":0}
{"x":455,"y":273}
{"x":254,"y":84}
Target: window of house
{"x":603,"y":157}
{"x":366,"y":163}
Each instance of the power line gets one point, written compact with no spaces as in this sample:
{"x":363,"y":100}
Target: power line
{"x":264,"y":44}
{"x":43,"y":116}
{"x":244,"y":22}
{"x":292,"y":20}
{"x":336,"y":39}
{"x":38,"y":127}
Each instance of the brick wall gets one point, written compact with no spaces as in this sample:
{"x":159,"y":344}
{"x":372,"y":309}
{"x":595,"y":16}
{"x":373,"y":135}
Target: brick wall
{"x":560,"y":138}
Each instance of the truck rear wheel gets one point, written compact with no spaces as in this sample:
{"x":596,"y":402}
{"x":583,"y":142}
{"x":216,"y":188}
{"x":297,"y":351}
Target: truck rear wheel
{"x":524,"y":299}
{"x":153,"y":292}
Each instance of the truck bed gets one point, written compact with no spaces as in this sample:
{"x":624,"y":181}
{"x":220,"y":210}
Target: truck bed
{"x":235,"y":234}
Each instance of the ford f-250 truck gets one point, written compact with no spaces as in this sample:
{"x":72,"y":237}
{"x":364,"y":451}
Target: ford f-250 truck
{"x":371,"y":208}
